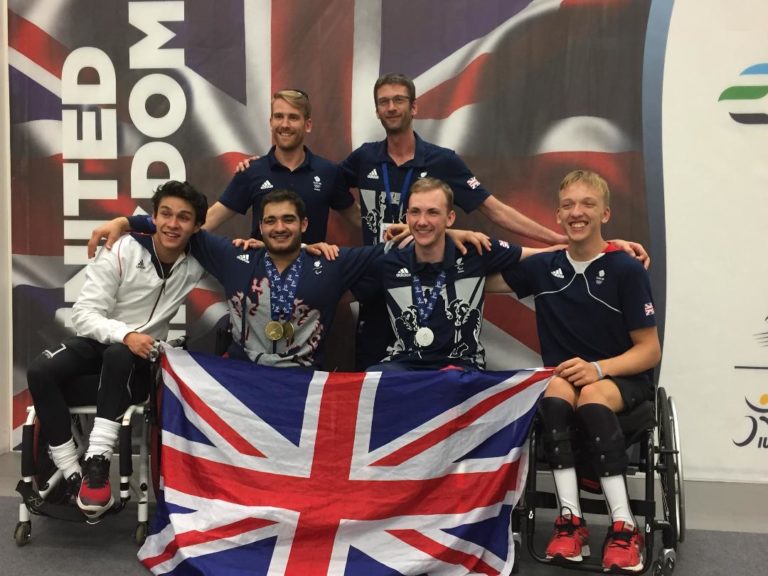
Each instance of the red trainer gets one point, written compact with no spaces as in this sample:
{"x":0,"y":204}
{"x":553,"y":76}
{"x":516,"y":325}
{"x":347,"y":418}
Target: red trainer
{"x":95,"y":496}
{"x":623,"y":548}
{"x":569,"y":540}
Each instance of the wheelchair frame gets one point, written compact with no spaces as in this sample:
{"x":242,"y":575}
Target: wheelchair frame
{"x":128,"y":484}
{"x":34,"y":497}
{"x":662,"y":457}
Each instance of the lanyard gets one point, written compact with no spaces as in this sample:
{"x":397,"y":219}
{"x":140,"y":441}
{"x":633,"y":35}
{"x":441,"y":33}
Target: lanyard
{"x":282,"y":294}
{"x":403,"y":190}
{"x":424,"y":306}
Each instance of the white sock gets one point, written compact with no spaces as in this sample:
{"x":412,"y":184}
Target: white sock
{"x":103,"y":438}
{"x":65,"y":458}
{"x":615,"y":490}
{"x":567,"y":486}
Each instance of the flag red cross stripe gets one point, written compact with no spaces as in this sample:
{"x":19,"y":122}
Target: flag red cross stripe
{"x":328,"y":495}
{"x":471,"y":562}
{"x":194,"y":537}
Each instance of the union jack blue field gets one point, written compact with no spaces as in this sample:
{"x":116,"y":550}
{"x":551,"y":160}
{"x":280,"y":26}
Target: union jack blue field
{"x":282,"y":471}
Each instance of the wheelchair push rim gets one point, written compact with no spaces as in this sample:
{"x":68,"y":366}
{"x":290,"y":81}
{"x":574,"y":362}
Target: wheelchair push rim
{"x":669,"y":468}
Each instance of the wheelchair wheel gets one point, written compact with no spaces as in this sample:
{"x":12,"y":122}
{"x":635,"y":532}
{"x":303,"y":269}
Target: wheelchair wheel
{"x":668,"y":462}
{"x":155,"y":441}
{"x":140,"y":534}
{"x":680,"y":484}
{"x":23,"y":533}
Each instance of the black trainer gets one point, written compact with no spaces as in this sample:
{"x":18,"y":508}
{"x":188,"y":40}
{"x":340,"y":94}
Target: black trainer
{"x":95,"y":495}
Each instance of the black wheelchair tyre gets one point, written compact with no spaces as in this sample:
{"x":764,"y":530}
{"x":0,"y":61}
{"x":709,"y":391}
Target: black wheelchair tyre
{"x":667,"y":465}
{"x":140,"y":534}
{"x":680,"y":482}
{"x":22,"y":533}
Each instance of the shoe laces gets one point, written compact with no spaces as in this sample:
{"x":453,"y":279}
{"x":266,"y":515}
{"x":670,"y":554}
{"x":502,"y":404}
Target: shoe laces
{"x":620,"y":538}
{"x":73,"y":483}
{"x":565,"y":526}
{"x":97,"y":471}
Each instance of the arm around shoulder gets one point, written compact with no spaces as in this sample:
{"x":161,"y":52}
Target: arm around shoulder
{"x":516,"y":222}
{"x":217,"y":215}
{"x":111,"y":230}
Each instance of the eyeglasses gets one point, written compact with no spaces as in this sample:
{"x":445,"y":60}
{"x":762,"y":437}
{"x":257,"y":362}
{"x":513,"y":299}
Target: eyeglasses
{"x":396,"y":100}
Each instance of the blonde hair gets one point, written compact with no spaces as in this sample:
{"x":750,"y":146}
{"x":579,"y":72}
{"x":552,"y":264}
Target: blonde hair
{"x":591,"y":179}
{"x":427,"y":184}
{"x":295,"y":98}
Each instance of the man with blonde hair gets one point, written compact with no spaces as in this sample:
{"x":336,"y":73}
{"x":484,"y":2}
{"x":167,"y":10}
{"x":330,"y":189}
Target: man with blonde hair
{"x":435,"y":295}
{"x":597,"y":326}
{"x":289,"y":165}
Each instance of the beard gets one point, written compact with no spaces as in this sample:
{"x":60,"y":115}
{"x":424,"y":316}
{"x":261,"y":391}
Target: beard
{"x":282,"y":249}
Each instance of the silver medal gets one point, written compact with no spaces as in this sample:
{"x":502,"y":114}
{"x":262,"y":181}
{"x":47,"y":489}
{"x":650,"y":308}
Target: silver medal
{"x":424,"y":337}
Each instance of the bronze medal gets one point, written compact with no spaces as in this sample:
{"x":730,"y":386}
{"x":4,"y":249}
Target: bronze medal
{"x":273,"y":330}
{"x":288,"y":330}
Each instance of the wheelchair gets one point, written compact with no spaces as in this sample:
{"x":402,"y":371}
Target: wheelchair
{"x":42,"y":486}
{"x":653,"y":444}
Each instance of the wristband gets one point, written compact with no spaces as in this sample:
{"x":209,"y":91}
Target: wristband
{"x":599,"y":370}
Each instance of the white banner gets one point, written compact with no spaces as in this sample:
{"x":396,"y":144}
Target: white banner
{"x":715,"y":141}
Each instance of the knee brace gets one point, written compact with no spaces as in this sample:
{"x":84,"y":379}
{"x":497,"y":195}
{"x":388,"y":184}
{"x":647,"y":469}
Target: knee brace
{"x":557,"y":417}
{"x":604,"y":439}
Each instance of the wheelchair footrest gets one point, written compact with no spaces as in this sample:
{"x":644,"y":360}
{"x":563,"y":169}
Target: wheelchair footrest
{"x":37,"y":505}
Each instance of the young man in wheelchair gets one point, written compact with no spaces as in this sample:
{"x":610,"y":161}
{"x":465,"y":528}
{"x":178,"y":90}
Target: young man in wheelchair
{"x":597,"y":325}
{"x":127,"y":301}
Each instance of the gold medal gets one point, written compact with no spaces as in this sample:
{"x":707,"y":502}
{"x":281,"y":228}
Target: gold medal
{"x":273,"y":330}
{"x":288,"y":330}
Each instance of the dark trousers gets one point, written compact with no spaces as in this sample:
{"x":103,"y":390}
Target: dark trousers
{"x":374,"y":334}
{"x":80,"y":372}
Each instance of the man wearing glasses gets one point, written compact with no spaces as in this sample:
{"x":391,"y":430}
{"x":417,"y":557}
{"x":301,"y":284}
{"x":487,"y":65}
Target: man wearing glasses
{"x":384,"y":171}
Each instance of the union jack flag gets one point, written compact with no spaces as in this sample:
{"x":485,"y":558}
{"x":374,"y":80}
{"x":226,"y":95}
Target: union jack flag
{"x":279,"y":471}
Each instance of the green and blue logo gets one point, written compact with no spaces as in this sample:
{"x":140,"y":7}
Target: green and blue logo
{"x":748,"y":93}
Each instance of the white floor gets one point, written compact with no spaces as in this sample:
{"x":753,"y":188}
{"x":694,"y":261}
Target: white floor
{"x":734,"y":507}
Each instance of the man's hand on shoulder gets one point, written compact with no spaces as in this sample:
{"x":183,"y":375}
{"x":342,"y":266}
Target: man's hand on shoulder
{"x":243,"y":165}
{"x":396,"y":233}
{"x":635,"y":250}
{"x":112,"y":230}
{"x":248,"y":243}
{"x":463,"y":238}
{"x":328,"y":251}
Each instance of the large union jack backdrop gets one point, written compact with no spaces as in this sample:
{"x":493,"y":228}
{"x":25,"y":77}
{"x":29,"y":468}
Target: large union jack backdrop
{"x":270,"y":471}
{"x":524,"y":90}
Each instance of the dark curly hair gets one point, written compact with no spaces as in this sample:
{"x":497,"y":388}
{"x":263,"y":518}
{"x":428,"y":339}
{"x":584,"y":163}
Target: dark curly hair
{"x":185,"y":191}
{"x":283,"y":195}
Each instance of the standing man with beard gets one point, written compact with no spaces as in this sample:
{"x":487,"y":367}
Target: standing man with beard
{"x":289,"y":165}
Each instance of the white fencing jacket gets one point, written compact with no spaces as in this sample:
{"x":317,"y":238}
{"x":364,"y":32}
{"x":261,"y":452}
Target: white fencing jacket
{"x":126,"y":291}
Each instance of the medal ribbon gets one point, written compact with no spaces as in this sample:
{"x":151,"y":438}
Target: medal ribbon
{"x":282,"y":294}
{"x":403,"y":190}
{"x":425,"y":306}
